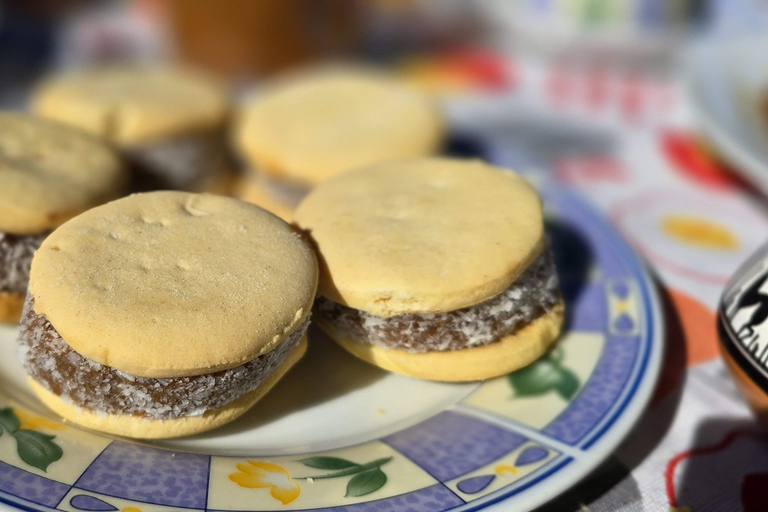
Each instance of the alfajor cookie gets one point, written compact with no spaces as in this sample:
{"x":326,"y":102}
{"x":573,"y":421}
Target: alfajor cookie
{"x":168,"y":122}
{"x":49,"y":173}
{"x":165,"y":314}
{"x":313,"y":125}
{"x":434,"y":268}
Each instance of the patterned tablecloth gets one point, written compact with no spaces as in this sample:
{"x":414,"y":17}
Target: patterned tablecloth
{"x":628,"y":143}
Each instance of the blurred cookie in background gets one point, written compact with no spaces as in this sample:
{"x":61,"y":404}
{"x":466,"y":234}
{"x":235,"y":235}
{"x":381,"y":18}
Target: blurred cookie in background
{"x":169,"y":123}
{"x":318,"y":123}
{"x":49,"y":173}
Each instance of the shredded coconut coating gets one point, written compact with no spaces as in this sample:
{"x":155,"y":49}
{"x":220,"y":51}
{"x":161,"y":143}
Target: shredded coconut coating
{"x":533,"y":293}
{"x":100,"y":388}
{"x":178,"y":163}
{"x":16,"y":253}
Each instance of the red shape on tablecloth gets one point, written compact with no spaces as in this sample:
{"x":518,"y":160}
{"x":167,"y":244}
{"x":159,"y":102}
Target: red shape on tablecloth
{"x":669,"y":472}
{"x":633,"y":98}
{"x":560,"y":84}
{"x":691,"y":160}
{"x":584,"y":169}
{"x":487,"y":69}
{"x":597,"y":88}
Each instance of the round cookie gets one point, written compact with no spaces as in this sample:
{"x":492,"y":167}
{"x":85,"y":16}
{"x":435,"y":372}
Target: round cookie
{"x":131,"y":105}
{"x":51,"y":172}
{"x":434,"y":268}
{"x":132,"y":426}
{"x":165,"y":314}
{"x":314,"y":125}
{"x":219,"y":281}
{"x":392,"y":239}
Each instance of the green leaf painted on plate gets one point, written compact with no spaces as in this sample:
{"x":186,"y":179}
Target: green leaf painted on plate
{"x":557,"y":355}
{"x":568,"y":385}
{"x":37,"y":449}
{"x":535,"y":379}
{"x":544,"y":376}
{"x":328,"y":463}
{"x":366,"y":483}
{"x":8,"y":421}
{"x":357,"y":468}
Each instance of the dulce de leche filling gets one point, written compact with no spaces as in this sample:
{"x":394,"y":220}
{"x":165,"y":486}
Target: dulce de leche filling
{"x":53,"y":364}
{"x":534,"y":293}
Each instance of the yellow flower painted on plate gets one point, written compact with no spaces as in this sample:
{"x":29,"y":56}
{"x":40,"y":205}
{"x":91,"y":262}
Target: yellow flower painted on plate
{"x":130,"y":509}
{"x":262,"y":475}
{"x":504,"y":469}
{"x":31,"y":422}
{"x":699,"y":232}
{"x":621,"y":306}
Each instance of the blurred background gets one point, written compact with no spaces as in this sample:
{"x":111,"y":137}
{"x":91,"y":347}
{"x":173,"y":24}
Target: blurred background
{"x":621,"y":58}
{"x":627,"y":102}
{"x":449,"y":45}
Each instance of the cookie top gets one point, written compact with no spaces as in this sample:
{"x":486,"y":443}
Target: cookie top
{"x":422,"y":236}
{"x":312,"y":126}
{"x":170,"y":284}
{"x":50,"y":172}
{"x":131,"y":105}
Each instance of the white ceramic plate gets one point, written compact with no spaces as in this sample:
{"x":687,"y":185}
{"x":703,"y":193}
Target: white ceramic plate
{"x":338,"y":434}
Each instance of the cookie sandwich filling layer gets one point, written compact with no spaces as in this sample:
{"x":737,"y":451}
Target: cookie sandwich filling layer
{"x":534,"y":293}
{"x":16,"y":253}
{"x":179,"y":162}
{"x":53,"y":364}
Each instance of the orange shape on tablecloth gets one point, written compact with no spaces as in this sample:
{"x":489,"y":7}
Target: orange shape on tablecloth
{"x":699,"y":232}
{"x":460,"y":70}
{"x":699,"y":326}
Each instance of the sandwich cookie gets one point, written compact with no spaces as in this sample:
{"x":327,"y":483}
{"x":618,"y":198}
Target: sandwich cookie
{"x":313,"y":125}
{"x":165,"y":314}
{"x":49,"y":172}
{"x":434,"y":268}
{"x":168,"y":122}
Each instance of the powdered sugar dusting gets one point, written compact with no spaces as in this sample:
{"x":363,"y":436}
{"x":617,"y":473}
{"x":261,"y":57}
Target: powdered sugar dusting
{"x":531,"y":295}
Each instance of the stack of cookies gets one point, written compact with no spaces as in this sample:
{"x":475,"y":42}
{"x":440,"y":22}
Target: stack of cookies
{"x":169,"y":313}
{"x":168,"y":123}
